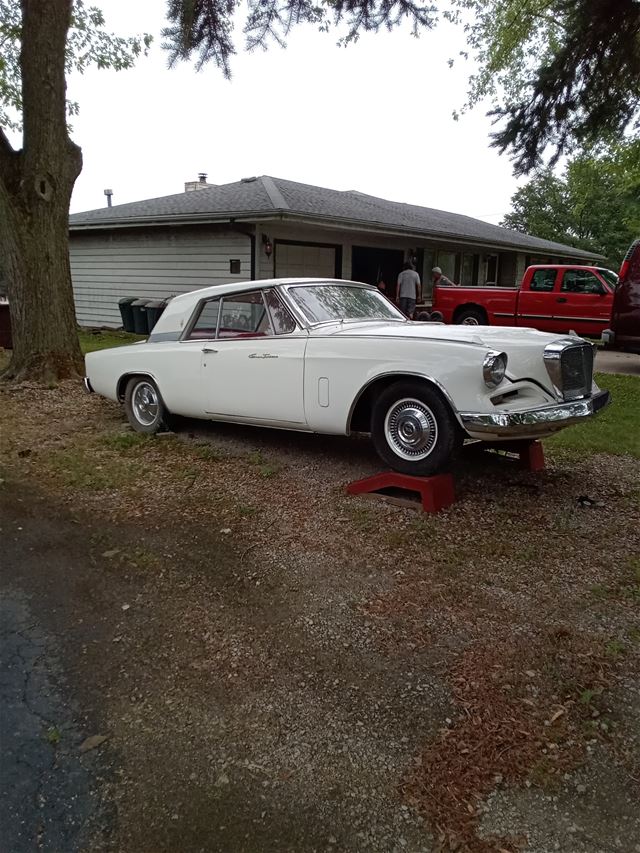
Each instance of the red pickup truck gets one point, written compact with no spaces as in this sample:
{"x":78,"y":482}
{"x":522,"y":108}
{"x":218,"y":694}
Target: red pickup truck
{"x":551,"y":298}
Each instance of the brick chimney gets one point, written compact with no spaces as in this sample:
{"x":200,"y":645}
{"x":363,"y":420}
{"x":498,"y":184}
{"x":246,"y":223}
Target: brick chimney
{"x":200,"y":184}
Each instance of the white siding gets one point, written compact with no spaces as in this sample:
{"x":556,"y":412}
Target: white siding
{"x":106,"y":267}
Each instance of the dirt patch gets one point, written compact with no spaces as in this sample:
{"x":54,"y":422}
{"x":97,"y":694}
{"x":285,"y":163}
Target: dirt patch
{"x":283,"y":667}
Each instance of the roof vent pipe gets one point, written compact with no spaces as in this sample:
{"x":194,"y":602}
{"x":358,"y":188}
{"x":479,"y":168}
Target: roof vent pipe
{"x":202,"y":177}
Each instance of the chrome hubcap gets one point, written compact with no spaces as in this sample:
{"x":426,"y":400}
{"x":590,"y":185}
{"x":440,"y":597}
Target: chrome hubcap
{"x":470,"y":321}
{"x":145,"y":403}
{"x":411,"y":429}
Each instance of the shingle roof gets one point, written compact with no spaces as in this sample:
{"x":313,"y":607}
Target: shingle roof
{"x":265,"y":195}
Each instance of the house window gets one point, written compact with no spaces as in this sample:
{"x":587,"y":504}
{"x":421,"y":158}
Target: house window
{"x":468,"y":266}
{"x":447,"y":263}
{"x":234,"y":267}
{"x":492,"y":269}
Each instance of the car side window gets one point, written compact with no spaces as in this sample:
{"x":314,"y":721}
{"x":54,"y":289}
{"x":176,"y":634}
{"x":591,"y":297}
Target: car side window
{"x":244,"y":315}
{"x":543,"y":281}
{"x":580,"y":281}
{"x":282,"y":321}
{"x":205,"y":326}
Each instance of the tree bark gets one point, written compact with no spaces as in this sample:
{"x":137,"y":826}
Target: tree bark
{"x":35,"y":192}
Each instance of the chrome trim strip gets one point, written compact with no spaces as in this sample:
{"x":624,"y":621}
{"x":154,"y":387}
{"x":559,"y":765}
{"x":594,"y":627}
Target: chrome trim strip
{"x":530,"y":421}
{"x":537,"y":316}
{"x":583,"y":319}
{"x":506,"y":314}
{"x":87,"y":385}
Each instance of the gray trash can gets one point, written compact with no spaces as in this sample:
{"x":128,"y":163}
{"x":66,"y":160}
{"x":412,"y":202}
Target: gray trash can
{"x":139,"y":308}
{"x":126,"y":312}
{"x":154,"y":308}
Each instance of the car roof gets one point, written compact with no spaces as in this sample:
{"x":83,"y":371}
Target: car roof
{"x":261,"y":284}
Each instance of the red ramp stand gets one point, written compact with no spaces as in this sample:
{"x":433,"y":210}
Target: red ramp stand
{"x":530,"y":454}
{"x":436,"y":493}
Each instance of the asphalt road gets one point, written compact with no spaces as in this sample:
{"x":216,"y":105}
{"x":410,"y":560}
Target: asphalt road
{"x":609,"y":361}
{"x":49,"y":800}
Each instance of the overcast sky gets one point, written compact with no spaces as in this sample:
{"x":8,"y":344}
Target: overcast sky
{"x":374,"y":117}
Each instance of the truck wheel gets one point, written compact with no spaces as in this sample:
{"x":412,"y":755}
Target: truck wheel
{"x":144,"y":407}
{"x":413,"y":429}
{"x":471,"y":317}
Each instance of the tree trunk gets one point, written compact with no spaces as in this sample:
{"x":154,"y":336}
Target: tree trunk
{"x":35,"y":191}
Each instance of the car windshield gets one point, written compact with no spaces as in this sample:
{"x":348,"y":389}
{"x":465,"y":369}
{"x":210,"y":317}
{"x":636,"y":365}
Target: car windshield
{"x":325,"y":303}
{"x":610,"y":277}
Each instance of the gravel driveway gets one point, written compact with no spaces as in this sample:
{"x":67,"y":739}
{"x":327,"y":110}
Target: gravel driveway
{"x":280,"y":667}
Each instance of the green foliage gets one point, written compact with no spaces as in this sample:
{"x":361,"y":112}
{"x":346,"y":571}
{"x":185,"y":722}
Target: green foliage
{"x":560,"y":74}
{"x":88,"y":44}
{"x":595,"y":205}
{"x":204,"y":28}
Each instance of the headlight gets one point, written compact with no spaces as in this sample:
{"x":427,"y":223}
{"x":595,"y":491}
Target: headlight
{"x":494,"y":367}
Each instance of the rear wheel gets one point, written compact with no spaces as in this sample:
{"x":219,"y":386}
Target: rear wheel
{"x":471,"y":317}
{"x":144,"y":407}
{"x":413,"y":429}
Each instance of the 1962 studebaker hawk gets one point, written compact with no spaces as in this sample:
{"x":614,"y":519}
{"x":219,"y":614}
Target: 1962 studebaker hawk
{"x":337,"y":357}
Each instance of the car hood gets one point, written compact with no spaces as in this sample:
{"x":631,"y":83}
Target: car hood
{"x":493,"y":337}
{"x":524,"y":347}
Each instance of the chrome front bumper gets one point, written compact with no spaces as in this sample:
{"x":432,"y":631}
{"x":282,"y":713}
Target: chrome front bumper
{"x":87,"y":385}
{"x":534,"y":421}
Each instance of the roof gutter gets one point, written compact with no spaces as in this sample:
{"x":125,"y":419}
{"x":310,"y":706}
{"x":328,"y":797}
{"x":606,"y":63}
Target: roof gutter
{"x":315,"y":220}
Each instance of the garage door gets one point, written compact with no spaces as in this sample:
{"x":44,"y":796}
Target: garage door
{"x":304,"y":261}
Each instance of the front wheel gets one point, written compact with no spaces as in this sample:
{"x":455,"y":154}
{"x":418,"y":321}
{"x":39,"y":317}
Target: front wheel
{"x":414,"y":430}
{"x":144,"y":407}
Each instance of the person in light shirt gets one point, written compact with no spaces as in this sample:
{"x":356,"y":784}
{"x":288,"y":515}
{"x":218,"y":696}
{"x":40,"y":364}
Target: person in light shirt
{"x":408,"y":290}
{"x":440,"y":279}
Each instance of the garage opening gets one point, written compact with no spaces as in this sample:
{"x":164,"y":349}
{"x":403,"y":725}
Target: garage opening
{"x":371,"y":265}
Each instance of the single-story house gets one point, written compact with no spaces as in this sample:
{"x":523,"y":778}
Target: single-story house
{"x":264,"y":227}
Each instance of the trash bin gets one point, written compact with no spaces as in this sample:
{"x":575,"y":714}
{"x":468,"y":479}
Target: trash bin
{"x":139,"y":309}
{"x":5,"y":326}
{"x":126,"y":312}
{"x":154,"y":309}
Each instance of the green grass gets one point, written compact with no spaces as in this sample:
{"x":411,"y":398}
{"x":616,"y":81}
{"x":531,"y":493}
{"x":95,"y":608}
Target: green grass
{"x":91,"y":341}
{"x":77,"y":467}
{"x":616,"y":430}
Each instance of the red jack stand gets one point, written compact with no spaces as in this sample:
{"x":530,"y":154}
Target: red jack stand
{"x":530,"y":453}
{"x":436,"y":493}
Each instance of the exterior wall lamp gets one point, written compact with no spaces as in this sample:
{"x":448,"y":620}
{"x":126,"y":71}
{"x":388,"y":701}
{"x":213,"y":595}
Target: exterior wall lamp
{"x":268,"y":245}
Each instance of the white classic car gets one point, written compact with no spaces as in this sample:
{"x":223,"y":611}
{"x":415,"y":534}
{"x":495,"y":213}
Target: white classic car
{"x":337,"y":357}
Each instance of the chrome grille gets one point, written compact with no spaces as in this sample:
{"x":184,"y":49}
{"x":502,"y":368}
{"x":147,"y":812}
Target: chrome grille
{"x":576,"y":368}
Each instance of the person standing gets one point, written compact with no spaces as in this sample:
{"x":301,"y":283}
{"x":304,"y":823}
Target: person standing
{"x":408,"y":290}
{"x":440,"y":279}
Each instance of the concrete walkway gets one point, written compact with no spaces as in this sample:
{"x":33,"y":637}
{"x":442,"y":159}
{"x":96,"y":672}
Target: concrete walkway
{"x":609,"y":361}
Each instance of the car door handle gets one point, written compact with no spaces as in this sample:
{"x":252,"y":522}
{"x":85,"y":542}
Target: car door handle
{"x":561,"y":299}
{"x":206,"y":349}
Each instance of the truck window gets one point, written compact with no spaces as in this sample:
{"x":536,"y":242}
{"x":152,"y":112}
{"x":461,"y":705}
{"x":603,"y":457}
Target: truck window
{"x":581,"y":281}
{"x":543,"y":281}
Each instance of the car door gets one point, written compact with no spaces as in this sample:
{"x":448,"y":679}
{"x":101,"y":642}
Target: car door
{"x":254,"y":369}
{"x":583,"y":303}
{"x":536,"y":305}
